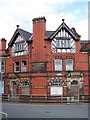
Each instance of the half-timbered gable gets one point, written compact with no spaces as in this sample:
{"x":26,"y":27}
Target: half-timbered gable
{"x":64,"y":39}
{"x":19,"y":42}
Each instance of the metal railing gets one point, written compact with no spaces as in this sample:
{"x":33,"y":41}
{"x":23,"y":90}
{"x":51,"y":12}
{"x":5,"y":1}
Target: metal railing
{"x":47,"y":98}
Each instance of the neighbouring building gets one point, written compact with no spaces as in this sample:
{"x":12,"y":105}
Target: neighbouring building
{"x":45,"y":63}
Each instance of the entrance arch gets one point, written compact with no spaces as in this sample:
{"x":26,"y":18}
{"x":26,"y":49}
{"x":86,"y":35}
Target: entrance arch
{"x":74,"y":91}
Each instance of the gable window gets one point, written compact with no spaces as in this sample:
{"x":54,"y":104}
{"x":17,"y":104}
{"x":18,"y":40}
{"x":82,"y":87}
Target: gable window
{"x":58,"y":64}
{"x":23,"y":66}
{"x":62,"y":43}
{"x":19,"y":46}
{"x":16,"y":68}
{"x":69,"y":64}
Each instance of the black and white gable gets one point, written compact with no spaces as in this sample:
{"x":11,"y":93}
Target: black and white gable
{"x":65,"y":31}
{"x":19,"y":42}
{"x":64,"y":39}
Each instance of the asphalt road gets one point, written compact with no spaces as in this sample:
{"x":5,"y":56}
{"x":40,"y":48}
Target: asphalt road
{"x":25,"y":110}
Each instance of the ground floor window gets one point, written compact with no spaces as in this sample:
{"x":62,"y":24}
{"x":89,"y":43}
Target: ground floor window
{"x":25,"y":87}
{"x":56,"y":88}
{"x":16,"y":87}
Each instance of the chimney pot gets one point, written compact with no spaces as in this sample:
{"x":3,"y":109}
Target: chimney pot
{"x":39,"y":19}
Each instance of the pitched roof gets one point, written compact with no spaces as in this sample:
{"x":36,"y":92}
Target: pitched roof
{"x":48,"y":34}
{"x":71,"y":31}
{"x":26,"y":35}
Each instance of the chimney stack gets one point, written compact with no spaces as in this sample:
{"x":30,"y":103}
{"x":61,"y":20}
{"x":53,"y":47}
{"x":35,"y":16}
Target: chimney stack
{"x":39,"y":31}
{"x":3,"y":45}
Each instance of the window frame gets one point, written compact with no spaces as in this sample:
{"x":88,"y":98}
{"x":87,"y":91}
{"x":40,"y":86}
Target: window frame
{"x":19,"y":46}
{"x":2,"y":66}
{"x":71,"y":66}
{"x":63,"y":43}
{"x":23,"y":66}
{"x":61,"y":65}
{"x":16,"y":66}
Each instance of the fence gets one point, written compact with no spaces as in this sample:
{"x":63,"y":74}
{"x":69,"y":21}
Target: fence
{"x":47,"y":99}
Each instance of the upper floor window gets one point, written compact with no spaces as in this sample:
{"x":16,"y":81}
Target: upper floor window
{"x":19,"y":47}
{"x":69,"y":64}
{"x":16,"y":67}
{"x":23,"y":66}
{"x":58,"y":64}
{"x":63,"y":43}
{"x":2,"y":65}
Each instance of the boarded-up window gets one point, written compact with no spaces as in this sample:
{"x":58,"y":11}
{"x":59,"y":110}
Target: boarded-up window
{"x":56,"y":90}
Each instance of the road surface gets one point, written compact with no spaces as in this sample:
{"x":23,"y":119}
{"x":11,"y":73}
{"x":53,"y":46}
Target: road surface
{"x":25,"y":110}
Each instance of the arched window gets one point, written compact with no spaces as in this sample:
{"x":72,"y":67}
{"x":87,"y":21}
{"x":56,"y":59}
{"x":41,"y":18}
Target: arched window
{"x":74,"y":82}
{"x":25,"y":83}
{"x":14,"y":83}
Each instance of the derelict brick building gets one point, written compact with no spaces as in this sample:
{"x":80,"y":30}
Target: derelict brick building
{"x":45,"y":63}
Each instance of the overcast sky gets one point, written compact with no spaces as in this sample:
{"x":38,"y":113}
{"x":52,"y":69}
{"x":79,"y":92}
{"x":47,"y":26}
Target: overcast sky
{"x":21,"y":12}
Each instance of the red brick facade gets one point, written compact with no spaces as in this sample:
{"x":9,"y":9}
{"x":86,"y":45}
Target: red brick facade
{"x":45,"y":63}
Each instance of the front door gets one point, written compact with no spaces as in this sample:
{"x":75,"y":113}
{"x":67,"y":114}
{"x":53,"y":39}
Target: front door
{"x":13,"y":88}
